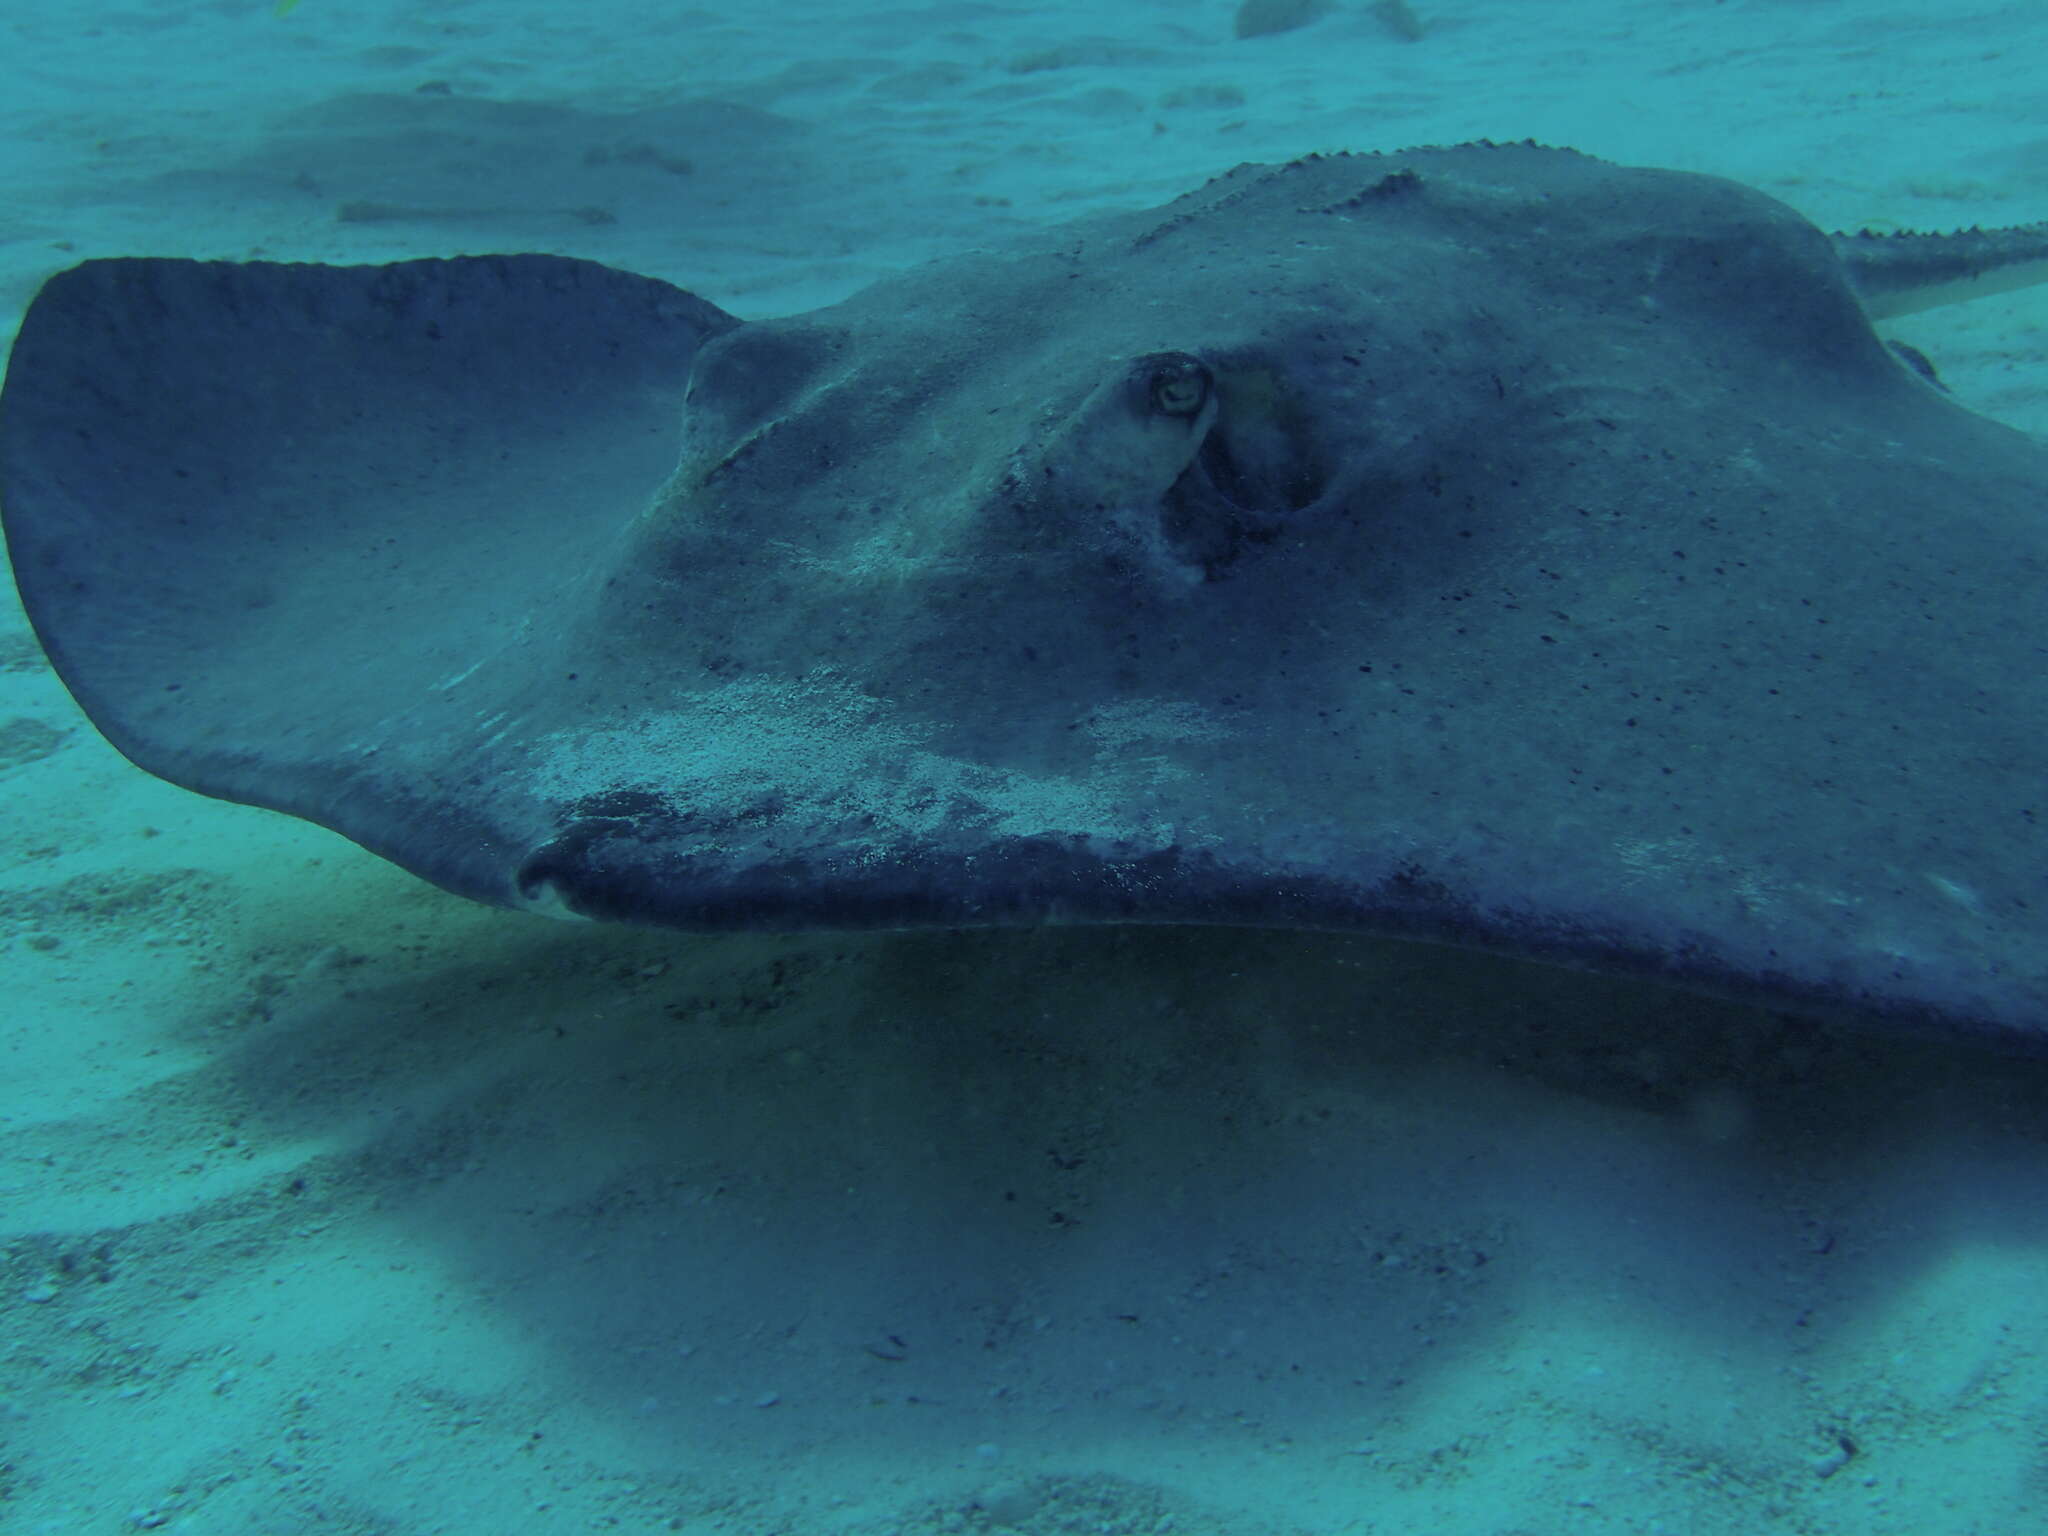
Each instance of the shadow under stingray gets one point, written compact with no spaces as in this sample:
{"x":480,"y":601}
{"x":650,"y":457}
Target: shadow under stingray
{"x":1148,"y":1203}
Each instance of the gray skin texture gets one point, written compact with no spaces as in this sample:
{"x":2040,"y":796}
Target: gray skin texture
{"x":1486,"y":545}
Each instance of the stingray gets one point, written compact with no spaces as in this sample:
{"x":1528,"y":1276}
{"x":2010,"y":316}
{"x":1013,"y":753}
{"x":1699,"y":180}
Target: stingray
{"x":1488,"y":545}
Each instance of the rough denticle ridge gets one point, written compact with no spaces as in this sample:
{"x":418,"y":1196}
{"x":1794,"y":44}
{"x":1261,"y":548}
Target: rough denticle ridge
{"x":1908,"y":271}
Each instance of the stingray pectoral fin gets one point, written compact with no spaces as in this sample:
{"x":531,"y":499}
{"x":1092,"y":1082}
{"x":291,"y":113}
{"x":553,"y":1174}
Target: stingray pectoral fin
{"x":279,"y":526}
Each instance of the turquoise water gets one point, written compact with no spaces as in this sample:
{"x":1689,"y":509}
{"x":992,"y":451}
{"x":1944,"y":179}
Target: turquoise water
{"x":330,"y":1202}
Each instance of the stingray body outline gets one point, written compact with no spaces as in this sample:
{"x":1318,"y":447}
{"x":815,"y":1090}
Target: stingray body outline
{"x":1488,"y":545}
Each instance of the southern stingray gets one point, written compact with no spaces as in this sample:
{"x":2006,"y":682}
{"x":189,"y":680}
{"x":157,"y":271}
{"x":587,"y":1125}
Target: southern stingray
{"x":1486,"y":545}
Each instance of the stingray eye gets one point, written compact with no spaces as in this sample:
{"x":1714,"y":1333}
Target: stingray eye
{"x":1178,"y":385}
